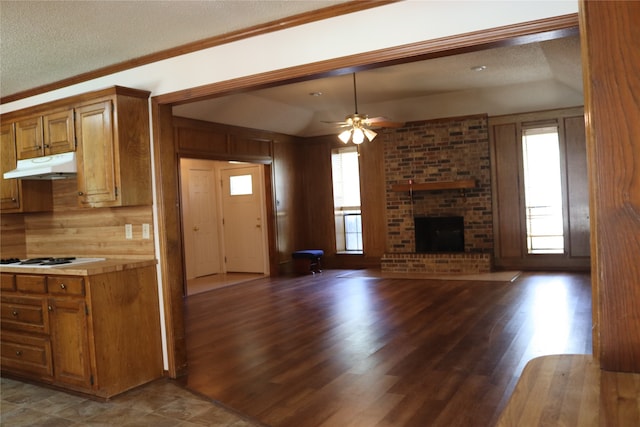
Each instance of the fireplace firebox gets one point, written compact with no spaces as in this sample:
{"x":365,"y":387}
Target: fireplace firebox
{"x":439,"y":234}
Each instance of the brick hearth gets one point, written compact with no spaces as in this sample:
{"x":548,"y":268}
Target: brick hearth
{"x":440,"y":263}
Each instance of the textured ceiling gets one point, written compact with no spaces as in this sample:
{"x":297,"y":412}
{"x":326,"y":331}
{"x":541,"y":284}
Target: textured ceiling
{"x":42,"y":42}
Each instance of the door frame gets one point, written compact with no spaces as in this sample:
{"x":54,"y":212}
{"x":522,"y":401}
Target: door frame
{"x":166,"y":153}
{"x":267,"y":209}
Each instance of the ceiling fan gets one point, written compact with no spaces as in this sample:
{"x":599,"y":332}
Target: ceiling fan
{"x":359,"y":125}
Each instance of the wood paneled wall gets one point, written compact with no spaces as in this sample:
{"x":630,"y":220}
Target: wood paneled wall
{"x":319,"y":228}
{"x":508,"y":190}
{"x":609,"y":37}
{"x":70,"y":230}
{"x":287,"y":183}
{"x":13,"y":242}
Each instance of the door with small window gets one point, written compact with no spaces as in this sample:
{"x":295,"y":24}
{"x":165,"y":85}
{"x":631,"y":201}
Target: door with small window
{"x":243,"y":219}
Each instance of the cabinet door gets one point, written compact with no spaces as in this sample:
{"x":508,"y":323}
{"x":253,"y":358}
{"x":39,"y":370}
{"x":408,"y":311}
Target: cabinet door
{"x":29,"y":136}
{"x":59,"y":134}
{"x":9,"y":194}
{"x":70,"y":342}
{"x":95,"y":153}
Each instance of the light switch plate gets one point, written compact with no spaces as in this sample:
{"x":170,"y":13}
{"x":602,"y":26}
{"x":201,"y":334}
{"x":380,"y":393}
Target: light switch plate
{"x":145,"y":231}
{"x":128,"y":231}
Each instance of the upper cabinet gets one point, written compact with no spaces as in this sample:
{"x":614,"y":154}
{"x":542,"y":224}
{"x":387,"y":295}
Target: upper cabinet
{"x":9,"y":196}
{"x":17,"y":195}
{"x":108,"y":129}
{"x":44,"y":135}
{"x":113,"y":154}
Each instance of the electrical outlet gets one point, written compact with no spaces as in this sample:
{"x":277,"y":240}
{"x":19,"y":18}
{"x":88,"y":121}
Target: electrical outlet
{"x":145,"y":231}
{"x":128,"y":231}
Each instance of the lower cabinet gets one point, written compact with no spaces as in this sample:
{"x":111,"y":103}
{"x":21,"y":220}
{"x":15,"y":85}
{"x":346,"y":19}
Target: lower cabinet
{"x":70,"y":342}
{"x":97,"y":334}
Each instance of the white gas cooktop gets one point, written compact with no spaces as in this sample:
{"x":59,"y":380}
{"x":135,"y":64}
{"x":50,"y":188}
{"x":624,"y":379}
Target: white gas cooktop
{"x":48,"y":262}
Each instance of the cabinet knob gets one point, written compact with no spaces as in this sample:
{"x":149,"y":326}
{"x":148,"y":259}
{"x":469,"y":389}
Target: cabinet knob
{"x":196,"y":229}
{"x":80,"y":193}
{"x":14,"y":313}
{"x":50,"y":308}
{"x":18,"y":353}
{"x":63,"y":286}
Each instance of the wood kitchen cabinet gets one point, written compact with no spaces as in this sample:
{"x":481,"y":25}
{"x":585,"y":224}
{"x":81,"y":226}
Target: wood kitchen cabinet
{"x":113,"y":154}
{"x":44,"y":135}
{"x":108,"y":129}
{"x":17,"y":195}
{"x":97,"y":334}
{"x":69,"y":336}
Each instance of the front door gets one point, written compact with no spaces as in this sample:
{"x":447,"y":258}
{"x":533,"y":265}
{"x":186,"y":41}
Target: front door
{"x":244,"y":232}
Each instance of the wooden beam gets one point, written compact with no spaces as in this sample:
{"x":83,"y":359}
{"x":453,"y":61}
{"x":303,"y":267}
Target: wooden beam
{"x":433,"y":186}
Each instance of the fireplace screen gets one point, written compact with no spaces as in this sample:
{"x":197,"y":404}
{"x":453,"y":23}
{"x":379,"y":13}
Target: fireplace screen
{"x":439,"y":234}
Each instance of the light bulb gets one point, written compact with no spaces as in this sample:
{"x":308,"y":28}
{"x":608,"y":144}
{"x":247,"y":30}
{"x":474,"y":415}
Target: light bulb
{"x":358,"y":136}
{"x":345,"y":136}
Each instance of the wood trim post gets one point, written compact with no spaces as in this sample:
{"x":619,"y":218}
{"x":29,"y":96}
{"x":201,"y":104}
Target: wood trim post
{"x":611,"y":60}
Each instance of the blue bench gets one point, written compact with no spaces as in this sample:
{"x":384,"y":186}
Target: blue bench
{"x":307,"y":261}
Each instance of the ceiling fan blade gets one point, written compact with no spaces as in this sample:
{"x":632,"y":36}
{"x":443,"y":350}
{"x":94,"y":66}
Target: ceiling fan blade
{"x":337,"y":124}
{"x":384,"y":122}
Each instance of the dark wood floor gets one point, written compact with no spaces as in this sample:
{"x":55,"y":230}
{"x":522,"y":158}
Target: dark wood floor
{"x":331,"y":351}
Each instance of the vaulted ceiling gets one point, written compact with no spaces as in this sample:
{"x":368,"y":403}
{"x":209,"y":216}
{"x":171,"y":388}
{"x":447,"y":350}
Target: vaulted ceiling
{"x":44,"y":42}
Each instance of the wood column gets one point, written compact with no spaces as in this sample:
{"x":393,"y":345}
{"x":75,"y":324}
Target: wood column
{"x":610,"y":36}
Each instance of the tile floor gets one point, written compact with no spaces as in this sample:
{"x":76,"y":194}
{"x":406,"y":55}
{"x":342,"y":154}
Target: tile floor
{"x":158,"y":404}
{"x":217,"y":281}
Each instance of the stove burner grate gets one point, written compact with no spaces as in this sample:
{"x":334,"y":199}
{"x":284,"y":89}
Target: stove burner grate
{"x":48,"y":261}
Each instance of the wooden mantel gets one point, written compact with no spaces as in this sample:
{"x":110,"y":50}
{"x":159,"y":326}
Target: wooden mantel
{"x":432,"y":186}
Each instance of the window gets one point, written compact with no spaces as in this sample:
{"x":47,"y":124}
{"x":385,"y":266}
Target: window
{"x":346,"y":199}
{"x":240,"y":185}
{"x":543,"y":190}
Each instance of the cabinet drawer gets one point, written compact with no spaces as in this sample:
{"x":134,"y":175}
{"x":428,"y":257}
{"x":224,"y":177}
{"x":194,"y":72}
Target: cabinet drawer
{"x":27,"y":355}
{"x":65,"y":285}
{"x":24,"y":314}
{"x":31,"y":284}
{"x":7,"y":282}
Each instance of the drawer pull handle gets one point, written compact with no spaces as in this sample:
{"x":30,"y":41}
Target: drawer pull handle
{"x":18,"y":353}
{"x":63,"y":286}
{"x":14,"y":313}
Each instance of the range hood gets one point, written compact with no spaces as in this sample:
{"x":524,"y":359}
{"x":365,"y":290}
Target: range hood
{"x":57,"y":166}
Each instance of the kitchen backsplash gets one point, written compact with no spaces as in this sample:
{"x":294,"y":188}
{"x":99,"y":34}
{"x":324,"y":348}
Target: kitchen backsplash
{"x":74,"y":231}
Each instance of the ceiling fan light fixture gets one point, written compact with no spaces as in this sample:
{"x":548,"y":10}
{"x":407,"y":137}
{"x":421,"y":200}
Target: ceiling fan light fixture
{"x":357,"y":124}
{"x":358,"y":136}
{"x":345,"y":136}
{"x":369,"y":134}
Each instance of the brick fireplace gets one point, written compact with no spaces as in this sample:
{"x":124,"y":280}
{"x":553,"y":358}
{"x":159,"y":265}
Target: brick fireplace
{"x":420,"y":159}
